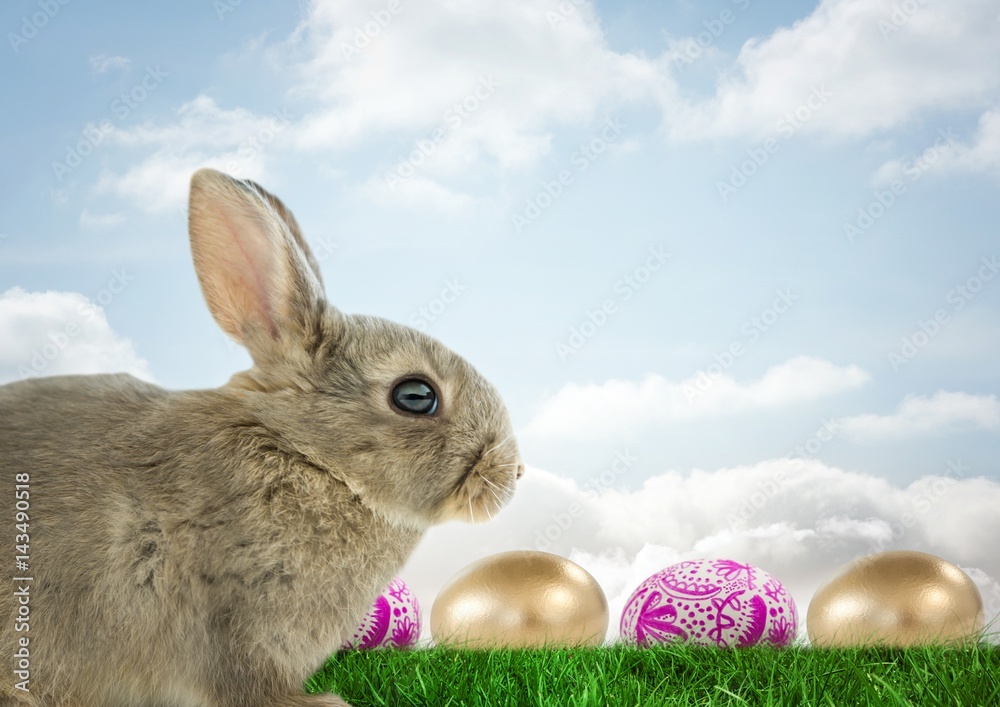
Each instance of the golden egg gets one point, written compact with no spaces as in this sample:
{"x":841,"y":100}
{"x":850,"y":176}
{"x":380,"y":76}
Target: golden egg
{"x":899,"y":598}
{"x":522,"y":599}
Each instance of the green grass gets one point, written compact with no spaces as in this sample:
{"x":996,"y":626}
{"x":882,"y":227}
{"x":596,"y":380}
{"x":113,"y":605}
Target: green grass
{"x":667,"y":675}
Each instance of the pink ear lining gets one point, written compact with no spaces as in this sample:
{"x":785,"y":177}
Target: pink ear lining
{"x":250,"y":265}
{"x":237,"y":259}
{"x":254,"y":271}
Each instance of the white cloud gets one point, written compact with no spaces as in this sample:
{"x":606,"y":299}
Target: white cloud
{"x":922,"y":415}
{"x":617,"y":405}
{"x":160,"y":182}
{"x":204,"y":135}
{"x":798,"y":520}
{"x":60,"y":333}
{"x":882,"y":65}
{"x":98,"y":222}
{"x":980,"y":154}
{"x":417,"y":192}
{"x":495,"y":80}
{"x":485,"y":82}
{"x":501,"y":72}
{"x":203,"y":124}
{"x":102,"y":63}
{"x":983,"y":154}
{"x":947,"y":153}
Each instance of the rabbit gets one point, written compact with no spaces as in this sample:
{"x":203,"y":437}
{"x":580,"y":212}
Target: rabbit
{"x":211,"y":548}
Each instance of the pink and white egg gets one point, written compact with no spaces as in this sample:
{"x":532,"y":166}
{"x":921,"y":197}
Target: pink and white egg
{"x":392,"y":622}
{"x":712,"y":603}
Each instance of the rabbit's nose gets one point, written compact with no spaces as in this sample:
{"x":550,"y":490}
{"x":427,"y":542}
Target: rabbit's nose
{"x":520,"y":470}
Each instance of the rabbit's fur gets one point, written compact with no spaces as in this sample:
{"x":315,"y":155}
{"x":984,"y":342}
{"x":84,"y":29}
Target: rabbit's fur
{"x":213,"y":547}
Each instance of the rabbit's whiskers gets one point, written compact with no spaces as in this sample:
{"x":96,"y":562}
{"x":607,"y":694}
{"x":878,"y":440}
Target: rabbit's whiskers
{"x":495,"y":491}
{"x":493,"y":488}
{"x":498,"y":445}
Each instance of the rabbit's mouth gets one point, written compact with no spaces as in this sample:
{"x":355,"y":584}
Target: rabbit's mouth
{"x":484,"y":488}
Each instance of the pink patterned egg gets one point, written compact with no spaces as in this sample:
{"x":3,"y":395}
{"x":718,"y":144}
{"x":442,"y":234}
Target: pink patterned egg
{"x":711,"y":603}
{"x":392,"y":622}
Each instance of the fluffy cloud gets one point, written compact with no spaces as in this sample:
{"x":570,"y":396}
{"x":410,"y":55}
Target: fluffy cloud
{"x":948,"y":154}
{"x":60,"y":333}
{"x":616,"y":405}
{"x":799,"y":520}
{"x":417,"y":192}
{"x":487,"y":85}
{"x":983,"y":153}
{"x":484,"y":83}
{"x":921,"y":415}
{"x":204,"y":135}
{"x":882,"y":62}
{"x":529,"y":64}
{"x":160,"y":182}
{"x":480,"y":83}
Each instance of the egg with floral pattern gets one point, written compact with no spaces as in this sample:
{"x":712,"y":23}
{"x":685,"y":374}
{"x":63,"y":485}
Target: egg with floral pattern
{"x":719,"y":602}
{"x":392,"y":622}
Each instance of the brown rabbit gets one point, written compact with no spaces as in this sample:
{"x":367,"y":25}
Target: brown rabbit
{"x":214,"y":547}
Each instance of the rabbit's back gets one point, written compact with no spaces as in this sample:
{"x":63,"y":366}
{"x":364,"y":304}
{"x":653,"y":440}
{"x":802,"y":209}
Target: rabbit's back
{"x":57,"y":418}
{"x":66,"y":433}
{"x":64,"y":440}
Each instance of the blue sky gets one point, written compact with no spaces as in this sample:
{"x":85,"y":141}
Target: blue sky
{"x":743,"y":210}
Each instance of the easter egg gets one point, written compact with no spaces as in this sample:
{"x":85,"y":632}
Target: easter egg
{"x":392,"y":622}
{"x":712,"y":603}
{"x":899,"y":598}
{"x":521,"y":599}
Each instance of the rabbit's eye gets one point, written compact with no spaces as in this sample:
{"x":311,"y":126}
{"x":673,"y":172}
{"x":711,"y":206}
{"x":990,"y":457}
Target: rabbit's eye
{"x":415,"y":396}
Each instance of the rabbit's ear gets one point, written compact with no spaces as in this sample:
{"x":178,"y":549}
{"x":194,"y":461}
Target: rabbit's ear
{"x":259,"y":279}
{"x":286,"y":215}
